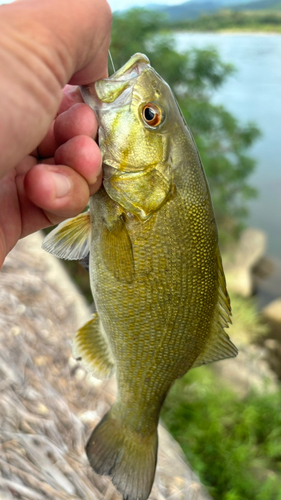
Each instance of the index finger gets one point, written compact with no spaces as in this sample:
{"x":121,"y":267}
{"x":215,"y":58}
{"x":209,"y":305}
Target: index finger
{"x":71,"y":96}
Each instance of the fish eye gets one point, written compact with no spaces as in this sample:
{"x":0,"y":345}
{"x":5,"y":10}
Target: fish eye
{"x":152,"y":114}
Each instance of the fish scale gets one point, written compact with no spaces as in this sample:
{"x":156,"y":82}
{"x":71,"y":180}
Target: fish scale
{"x":138,"y":313}
{"x":155,"y":268}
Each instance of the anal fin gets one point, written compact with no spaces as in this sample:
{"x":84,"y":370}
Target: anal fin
{"x":91,"y":345}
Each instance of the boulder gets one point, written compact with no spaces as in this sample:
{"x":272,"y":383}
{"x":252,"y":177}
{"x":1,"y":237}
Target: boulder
{"x":272,"y":311}
{"x":272,"y":343}
{"x":249,"y":250}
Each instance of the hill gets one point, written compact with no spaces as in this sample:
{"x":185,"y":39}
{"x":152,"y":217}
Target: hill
{"x":259,"y":5}
{"x":195,"y":8}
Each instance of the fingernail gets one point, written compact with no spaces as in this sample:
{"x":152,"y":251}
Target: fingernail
{"x":93,"y":178}
{"x":63,"y":185}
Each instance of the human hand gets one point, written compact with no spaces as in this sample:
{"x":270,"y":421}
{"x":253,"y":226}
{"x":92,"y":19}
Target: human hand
{"x":45,"y":44}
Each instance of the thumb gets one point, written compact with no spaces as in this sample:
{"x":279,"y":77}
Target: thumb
{"x":44,"y":44}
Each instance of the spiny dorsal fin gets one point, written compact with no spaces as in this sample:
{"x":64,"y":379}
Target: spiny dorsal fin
{"x":90,"y":344}
{"x":70,"y":240}
{"x":219,"y":345}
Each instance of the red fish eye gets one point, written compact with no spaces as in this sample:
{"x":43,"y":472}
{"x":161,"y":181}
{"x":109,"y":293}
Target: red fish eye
{"x":152,"y":114}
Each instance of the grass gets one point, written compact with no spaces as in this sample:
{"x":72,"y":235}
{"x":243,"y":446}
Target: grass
{"x":234,"y":445}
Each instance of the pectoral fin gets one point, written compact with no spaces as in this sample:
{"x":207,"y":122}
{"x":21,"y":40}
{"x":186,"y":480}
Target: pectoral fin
{"x":91,"y":345}
{"x":141,"y":193}
{"x":70,"y":240}
{"x":117,"y":252}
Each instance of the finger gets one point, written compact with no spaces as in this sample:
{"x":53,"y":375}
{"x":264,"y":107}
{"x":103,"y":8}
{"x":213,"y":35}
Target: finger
{"x":33,"y":217}
{"x":26,"y":164}
{"x":95,"y":69}
{"x":83,"y":155}
{"x":48,"y":146}
{"x":58,"y":190}
{"x":30,"y":161}
{"x":78,"y":120}
{"x":71,"y":96}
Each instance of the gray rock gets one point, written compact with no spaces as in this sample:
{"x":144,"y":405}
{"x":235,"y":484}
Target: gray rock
{"x":249,"y":251}
{"x":272,"y":311}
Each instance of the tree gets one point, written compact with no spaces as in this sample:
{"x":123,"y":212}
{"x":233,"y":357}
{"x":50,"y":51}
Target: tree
{"x":193,"y":75}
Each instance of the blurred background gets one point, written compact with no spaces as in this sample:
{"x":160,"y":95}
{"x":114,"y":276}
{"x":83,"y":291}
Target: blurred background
{"x":222,"y":59}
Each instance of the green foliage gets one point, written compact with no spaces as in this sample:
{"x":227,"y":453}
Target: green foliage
{"x":247,"y":326}
{"x":234,"y":445}
{"x":265,"y":20}
{"x":193,"y":76}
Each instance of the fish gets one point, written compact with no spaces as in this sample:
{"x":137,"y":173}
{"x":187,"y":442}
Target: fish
{"x":156,"y":272}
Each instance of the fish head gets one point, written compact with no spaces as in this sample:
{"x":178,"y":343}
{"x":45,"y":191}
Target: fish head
{"x":137,"y":112}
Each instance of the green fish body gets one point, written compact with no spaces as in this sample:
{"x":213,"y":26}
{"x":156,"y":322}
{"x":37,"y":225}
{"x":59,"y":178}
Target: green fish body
{"x":155,"y":268}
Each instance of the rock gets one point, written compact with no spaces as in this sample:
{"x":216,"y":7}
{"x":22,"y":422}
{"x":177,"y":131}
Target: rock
{"x":249,"y":371}
{"x":267,"y":279}
{"x":272,"y":311}
{"x":272,"y":317}
{"x":249,"y":251}
{"x":239,"y":281}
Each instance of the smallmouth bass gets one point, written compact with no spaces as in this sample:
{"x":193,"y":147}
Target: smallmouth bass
{"x":155,"y":268}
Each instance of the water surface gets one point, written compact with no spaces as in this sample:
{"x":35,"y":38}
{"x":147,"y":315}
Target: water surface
{"x":253,"y":93}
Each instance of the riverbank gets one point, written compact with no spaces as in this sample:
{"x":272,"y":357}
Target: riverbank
{"x":229,"y":31}
{"x":232,"y":21}
{"x":232,"y":31}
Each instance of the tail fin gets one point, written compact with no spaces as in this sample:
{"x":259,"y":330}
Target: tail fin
{"x":126,"y":456}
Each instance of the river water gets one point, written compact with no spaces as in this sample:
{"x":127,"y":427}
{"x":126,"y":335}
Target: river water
{"x":253,"y":93}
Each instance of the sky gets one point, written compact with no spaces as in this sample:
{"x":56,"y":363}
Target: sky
{"x":126,"y":4}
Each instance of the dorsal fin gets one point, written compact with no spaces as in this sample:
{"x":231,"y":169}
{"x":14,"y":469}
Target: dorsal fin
{"x":220,"y":348}
{"x":70,"y":240}
{"x":219,"y":345}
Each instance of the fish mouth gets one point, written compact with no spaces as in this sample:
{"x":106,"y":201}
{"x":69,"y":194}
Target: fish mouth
{"x":116,"y":91}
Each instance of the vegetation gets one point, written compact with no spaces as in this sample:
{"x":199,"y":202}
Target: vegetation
{"x":233,"y":444}
{"x":249,"y":20}
{"x":247,"y":326}
{"x":193,"y":76}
